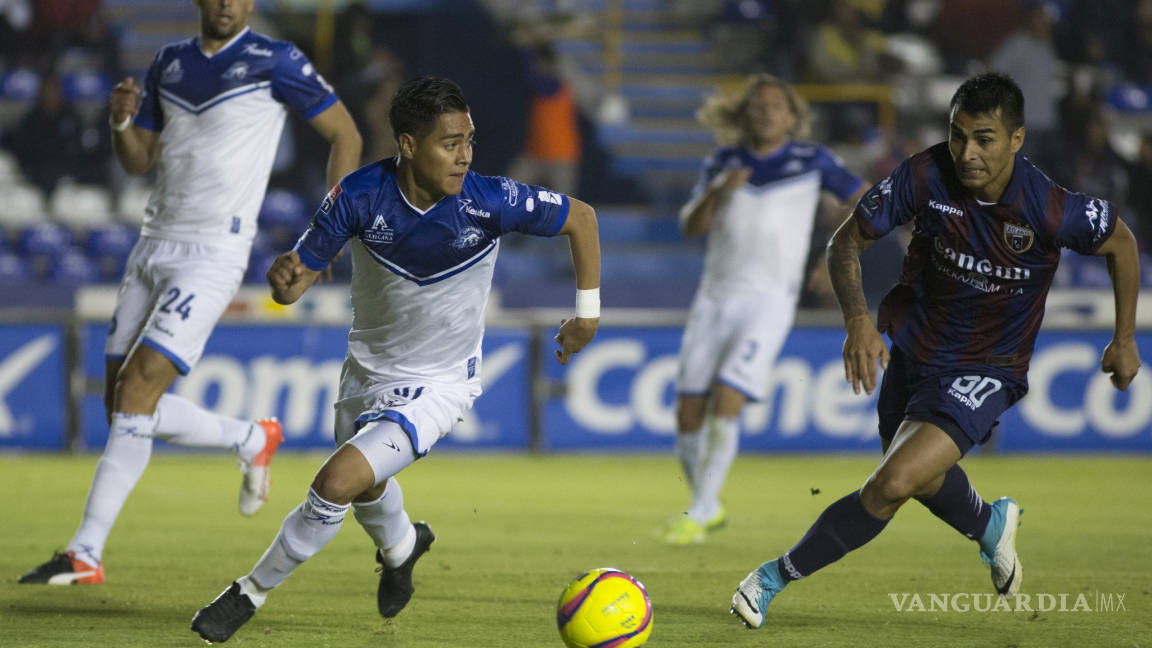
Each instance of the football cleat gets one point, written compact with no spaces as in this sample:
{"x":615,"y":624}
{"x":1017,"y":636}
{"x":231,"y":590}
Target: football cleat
{"x":755,"y":592}
{"x":1000,"y":538}
{"x":257,"y":473}
{"x":221,"y":618}
{"x":684,"y":531}
{"x":396,"y":588}
{"x":718,"y":521}
{"x":64,"y":569}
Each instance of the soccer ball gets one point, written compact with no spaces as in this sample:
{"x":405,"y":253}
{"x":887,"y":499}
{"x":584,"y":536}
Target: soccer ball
{"x":604,"y":608}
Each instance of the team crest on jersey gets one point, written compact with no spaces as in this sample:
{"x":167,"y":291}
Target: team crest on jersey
{"x":1018,"y":237}
{"x":468,"y":237}
{"x":173,"y":73}
{"x":236,"y":72}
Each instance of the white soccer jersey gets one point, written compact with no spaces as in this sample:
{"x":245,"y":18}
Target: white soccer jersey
{"x":220,"y":119}
{"x":759,"y":240}
{"x":421,"y":278}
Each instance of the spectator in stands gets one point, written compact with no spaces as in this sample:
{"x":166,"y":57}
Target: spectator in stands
{"x":972,"y":29}
{"x":757,"y":199}
{"x":551,"y":154}
{"x":1134,"y":50}
{"x":1140,"y":193}
{"x":47,"y":141}
{"x":844,"y":50}
{"x":15,"y":18}
{"x":1028,"y":55}
{"x":1091,"y":164}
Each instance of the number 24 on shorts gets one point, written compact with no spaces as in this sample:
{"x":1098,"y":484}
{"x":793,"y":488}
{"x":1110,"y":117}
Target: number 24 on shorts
{"x":184,"y":308}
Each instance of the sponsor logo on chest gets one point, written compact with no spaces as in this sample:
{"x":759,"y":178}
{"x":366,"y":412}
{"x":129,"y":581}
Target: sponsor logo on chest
{"x":379,"y":232}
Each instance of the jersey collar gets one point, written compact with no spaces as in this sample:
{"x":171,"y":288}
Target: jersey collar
{"x":235,"y":39}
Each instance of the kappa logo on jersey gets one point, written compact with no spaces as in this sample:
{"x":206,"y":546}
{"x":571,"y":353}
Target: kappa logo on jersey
{"x":469,"y":237}
{"x":1097,"y":213}
{"x":885,"y":186}
{"x":511,"y":191}
{"x":330,"y":199}
{"x":256,"y":50}
{"x":236,"y":72}
{"x":173,"y":73}
{"x":380,"y":232}
{"x":1018,"y":237}
{"x":947,"y":209}
{"x":466,"y":207}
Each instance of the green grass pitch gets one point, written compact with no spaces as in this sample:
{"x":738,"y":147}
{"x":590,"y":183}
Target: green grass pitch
{"x":514,"y":529}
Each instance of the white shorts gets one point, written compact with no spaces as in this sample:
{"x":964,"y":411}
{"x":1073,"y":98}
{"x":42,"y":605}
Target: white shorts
{"x":733,"y":340}
{"x":171,"y":297}
{"x":426,"y":411}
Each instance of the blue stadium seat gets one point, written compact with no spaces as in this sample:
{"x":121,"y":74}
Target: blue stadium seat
{"x":19,"y":85}
{"x":283,"y":208}
{"x":12,"y":267}
{"x":258,"y":266}
{"x":73,"y":267}
{"x":85,"y":86}
{"x":108,"y":247}
{"x":45,"y":239}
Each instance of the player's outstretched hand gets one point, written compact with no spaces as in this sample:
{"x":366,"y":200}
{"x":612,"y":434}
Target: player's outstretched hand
{"x":1121,"y":360}
{"x":289,"y":277}
{"x":574,"y":334}
{"x":862,"y":348}
{"x":125,"y":100}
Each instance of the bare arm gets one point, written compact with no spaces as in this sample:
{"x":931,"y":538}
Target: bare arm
{"x":696,"y":215}
{"x":584,"y":238}
{"x":289,"y":278}
{"x":863,"y":345}
{"x":135,"y":147}
{"x":1121,"y":358}
{"x":335,"y":125}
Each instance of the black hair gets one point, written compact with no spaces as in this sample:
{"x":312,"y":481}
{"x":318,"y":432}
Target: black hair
{"x":420,"y":102}
{"x":984,"y":93}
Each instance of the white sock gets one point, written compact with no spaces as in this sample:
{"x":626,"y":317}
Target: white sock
{"x":304,"y":532}
{"x":255,"y":593}
{"x":723,"y":442}
{"x":182,"y":423}
{"x":125,"y":457}
{"x":688,"y":450}
{"x":386,"y":522}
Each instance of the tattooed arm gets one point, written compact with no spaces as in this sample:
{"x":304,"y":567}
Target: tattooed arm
{"x":864,"y":344}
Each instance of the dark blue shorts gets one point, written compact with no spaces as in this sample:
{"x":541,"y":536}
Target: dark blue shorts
{"x":965,"y":402}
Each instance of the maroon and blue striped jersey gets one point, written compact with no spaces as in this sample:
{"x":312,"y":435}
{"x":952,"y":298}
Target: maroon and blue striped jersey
{"x":976,"y":275}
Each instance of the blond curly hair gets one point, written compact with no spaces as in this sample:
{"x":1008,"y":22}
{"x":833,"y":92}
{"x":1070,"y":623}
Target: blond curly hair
{"x":723,"y":113}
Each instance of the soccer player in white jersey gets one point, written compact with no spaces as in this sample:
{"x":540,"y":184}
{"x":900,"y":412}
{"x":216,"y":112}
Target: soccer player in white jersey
{"x":756,"y":200}
{"x":208,"y":120}
{"x":428,"y":230}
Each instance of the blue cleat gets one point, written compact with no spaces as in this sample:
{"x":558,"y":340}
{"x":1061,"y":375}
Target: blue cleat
{"x":755,"y":592}
{"x":998,"y":547}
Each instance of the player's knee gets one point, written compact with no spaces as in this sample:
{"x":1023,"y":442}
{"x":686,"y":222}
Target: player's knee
{"x":337,"y":486}
{"x":891,"y":486}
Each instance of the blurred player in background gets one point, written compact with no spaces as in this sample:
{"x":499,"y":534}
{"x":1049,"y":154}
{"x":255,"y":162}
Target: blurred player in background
{"x":756,"y":200}
{"x":988,"y":231}
{"x":428,"y":230}
{"x":208,"y":119}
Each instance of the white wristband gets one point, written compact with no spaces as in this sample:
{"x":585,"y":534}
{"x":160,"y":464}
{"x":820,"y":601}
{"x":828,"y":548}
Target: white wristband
{"x":121,"y":126}
{"x":588,"y":303}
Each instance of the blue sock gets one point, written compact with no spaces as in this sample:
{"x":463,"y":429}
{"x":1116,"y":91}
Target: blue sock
{"x":842,"y":527}
{"x":958,"y":504}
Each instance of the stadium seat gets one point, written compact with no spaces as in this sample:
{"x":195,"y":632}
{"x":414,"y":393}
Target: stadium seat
{"x":73,"y":267}
{"x":283,"y":208}
{"x":18,"y":90}
{"x":258,"y":266}
{"x":81,"y":207}
{"x":13,"y":268}
{"x":45,"y":239}
{"x":108,"y":247}
{"x":23,"y":207}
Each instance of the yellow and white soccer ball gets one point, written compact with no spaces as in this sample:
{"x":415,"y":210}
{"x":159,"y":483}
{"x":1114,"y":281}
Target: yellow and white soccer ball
{"x":604,"y":608}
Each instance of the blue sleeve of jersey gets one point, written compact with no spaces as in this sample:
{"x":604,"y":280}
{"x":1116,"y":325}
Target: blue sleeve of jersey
{"x":887,"y":205}
{"x":1087,"y":223}
{"x":334,"y":223}
{"x":296,"y":83}
{"x":527,"y":209}
{"x":713,"y":165}
{"x":834,"y":177}
{"x":150,"y":115}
